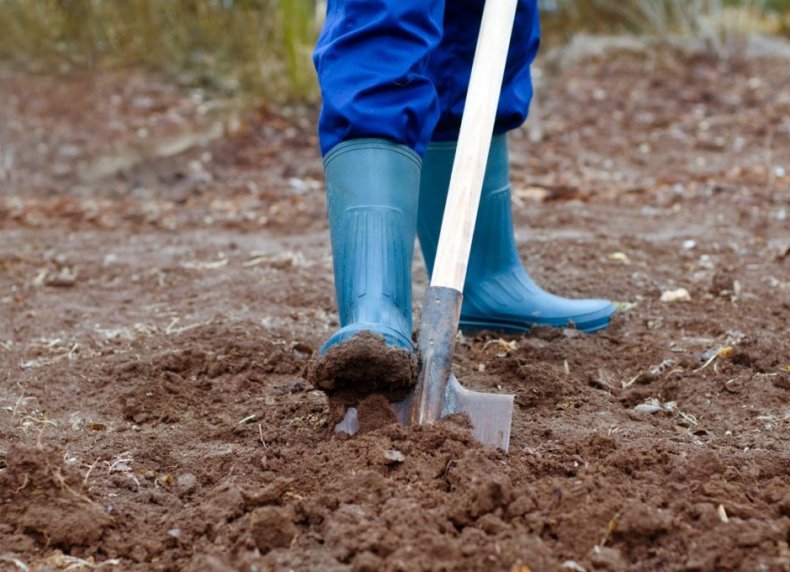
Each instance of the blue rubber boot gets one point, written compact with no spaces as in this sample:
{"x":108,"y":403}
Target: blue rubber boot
{"x":498,"y":293}
{"x":372,"y":191}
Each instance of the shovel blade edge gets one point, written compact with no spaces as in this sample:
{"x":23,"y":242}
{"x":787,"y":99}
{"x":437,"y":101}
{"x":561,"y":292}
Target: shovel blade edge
{"x":491,"y":414}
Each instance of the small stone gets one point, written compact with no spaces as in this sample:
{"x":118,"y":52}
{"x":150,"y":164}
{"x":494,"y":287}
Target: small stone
{"x":620,"y":257}
{"x":658,"y":369}
{"x":186,"y":482}
{"x":706,"y":262}
{"x":679,"y":295}
{"x":66,"y":278}
{"x":392,"y":457}
{"x":605,"y":558}
{"x":650,"y":407}
{"x":537,"y":194}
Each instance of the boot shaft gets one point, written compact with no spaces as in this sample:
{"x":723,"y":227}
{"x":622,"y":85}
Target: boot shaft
{"x":493,"y":244}
{"x":372,"y":190}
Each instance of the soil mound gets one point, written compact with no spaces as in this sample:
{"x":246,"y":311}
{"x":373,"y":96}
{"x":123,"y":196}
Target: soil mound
{"x":45,"y":500}
{"x":164,"y":385}
{"x":416,"y":498}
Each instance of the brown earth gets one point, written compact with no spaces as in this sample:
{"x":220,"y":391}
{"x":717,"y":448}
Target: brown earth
{"x":159,"y":304}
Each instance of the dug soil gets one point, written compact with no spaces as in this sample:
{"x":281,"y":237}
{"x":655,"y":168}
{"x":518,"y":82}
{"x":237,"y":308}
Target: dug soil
{"x":165,"y":277}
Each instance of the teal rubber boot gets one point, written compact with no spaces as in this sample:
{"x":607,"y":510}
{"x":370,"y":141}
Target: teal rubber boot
{"x":372,"y":192}
{"x":499,"y":293}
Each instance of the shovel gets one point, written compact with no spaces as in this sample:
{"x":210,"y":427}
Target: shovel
{"x":437,"y":392}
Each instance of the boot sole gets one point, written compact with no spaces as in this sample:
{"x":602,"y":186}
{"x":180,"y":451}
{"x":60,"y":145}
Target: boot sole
{"x":472,"y":325}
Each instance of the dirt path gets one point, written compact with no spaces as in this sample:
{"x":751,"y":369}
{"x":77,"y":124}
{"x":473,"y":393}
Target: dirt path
{"x":157,"y":312}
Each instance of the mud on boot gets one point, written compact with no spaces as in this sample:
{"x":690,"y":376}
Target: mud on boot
{"x":364,"y":363}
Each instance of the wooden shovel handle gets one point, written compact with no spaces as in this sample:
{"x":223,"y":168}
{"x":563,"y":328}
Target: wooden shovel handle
{"x":474,"y":142}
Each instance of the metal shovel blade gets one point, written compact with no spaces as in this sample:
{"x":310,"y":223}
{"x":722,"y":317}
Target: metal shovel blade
{"x":491,"y":414}
{"x":438,"y":393}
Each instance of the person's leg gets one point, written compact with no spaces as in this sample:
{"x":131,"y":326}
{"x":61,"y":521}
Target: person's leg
{"x":379,"y":109}
{"x":450,"y":66}
{"x":499,"y":293}
{"x":371,"y":61}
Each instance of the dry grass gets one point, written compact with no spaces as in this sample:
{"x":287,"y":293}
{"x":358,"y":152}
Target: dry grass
{"x":259,"y":46}
{"x":721,"y":25}
{"x":263,"y":47}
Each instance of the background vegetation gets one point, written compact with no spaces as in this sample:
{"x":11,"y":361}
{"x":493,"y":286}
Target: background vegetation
{"x":264,"y":46}
{"x":717,"y":23}
{"x":254,"y":45}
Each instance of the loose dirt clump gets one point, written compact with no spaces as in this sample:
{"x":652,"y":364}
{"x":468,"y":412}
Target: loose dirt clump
{"x":45,"y":500}
{"x":272,"y":528}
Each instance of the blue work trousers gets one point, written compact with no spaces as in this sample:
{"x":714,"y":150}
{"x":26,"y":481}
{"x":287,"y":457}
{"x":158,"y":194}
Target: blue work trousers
{"x":399,"y":69}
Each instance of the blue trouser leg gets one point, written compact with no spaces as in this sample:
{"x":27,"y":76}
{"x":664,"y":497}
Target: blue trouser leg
{"x":371,"y":60}
{"x":450,"y":65}
{"x":399,"y":69}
